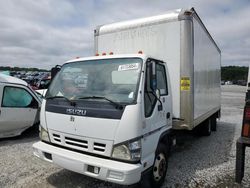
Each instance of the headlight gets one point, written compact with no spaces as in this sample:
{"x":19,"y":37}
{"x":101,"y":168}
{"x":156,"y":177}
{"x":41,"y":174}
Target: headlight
{"x":130,"y":151}
{"x":44,"y":135}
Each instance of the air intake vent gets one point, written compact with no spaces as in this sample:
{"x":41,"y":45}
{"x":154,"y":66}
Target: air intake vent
{"x":76,"y":142}
{"x":57,"y":137}
{"x":99,"y":147}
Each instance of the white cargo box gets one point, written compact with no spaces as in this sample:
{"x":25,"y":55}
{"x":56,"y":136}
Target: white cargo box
{"x":180,"y":39}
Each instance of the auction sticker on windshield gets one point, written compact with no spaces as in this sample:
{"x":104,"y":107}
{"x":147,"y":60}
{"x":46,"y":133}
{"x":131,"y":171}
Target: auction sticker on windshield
{"x":132,"y":66}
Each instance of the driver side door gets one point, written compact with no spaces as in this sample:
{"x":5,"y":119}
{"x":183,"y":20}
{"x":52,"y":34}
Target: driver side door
{"x":18,"y":110}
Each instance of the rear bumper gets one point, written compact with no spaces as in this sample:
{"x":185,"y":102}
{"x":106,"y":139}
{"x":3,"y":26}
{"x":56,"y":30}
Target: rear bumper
{"x":103,"y":169}
{"x":244,"y":141}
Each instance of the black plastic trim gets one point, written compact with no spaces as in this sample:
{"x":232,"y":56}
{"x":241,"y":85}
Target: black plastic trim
{"x":86,"y":109}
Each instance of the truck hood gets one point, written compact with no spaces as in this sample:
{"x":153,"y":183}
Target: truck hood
{"x":100,"y":128}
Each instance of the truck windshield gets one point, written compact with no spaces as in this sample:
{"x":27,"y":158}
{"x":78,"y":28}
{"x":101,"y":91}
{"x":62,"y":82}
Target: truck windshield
{"x":115,"y":79}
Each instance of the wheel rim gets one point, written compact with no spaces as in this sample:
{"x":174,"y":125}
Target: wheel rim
{"x":160,"y":167}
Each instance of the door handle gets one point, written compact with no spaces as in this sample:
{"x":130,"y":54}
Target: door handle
{"x":168,"y":115}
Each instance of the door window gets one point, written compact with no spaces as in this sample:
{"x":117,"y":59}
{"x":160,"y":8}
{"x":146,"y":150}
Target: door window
{"x":161,"y":79}
{"x":149,"y":95}
{"x":16,"y":97}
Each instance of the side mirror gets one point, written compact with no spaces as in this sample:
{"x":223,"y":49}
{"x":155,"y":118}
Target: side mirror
{"x":55,"y":70}
{"x":152,"y":72}
{"x":33,"y":104}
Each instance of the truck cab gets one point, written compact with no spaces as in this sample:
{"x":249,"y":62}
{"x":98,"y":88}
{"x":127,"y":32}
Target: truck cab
{"x":109,"y":117}
{"x":19,"y":106}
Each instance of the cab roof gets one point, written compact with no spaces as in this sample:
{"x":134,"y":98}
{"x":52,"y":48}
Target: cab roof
{"x":10,"y":79}
{"x":142,"y":56}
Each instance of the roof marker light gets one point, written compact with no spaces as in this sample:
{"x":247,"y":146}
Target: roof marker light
{"x":111,"y":53}
{"x":104,"y":53}
{"x":96,"y":54}
{"x":140,"y":52}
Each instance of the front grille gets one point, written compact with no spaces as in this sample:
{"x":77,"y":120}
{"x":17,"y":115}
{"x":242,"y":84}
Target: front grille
{"x":57,"y":137}
{"x":99,"y":147}
{"x":102,"y":147}
{"x":76,"y":142}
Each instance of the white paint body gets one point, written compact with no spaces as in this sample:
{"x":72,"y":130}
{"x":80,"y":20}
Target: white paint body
{"x":13,"y":120}
{"x":159,"y":37}
{"x":188,"y":52}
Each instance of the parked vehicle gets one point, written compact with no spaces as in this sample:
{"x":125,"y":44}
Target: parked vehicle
{"x":244,"y":140}
{"x":19,"y":106}
{"x":112,"y":117}
{"x":43,"y":83}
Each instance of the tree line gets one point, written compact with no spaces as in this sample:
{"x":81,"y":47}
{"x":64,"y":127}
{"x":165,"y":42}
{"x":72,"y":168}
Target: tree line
{"x":228,"y":73}
{"x":234,"y":73}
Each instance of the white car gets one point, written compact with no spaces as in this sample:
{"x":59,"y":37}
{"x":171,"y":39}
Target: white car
{"x":19,"y":106}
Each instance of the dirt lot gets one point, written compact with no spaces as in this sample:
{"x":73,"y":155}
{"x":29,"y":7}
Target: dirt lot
{"x":195,"y":162}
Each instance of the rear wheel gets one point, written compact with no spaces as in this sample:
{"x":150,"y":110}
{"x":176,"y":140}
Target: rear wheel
{"x":207,"y":128}
{"x":160,"y":166}
{"x":213,"y":123}
{"x":204,"y":129}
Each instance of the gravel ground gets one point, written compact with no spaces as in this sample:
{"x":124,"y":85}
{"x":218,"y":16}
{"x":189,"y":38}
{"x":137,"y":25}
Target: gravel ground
{"x":195,"y":161}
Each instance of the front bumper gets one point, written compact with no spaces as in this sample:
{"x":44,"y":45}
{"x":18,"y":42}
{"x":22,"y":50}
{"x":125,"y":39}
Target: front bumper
{"x":103,"y":169}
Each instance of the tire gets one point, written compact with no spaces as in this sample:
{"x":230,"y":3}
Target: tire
{"x":204,"y":129}
{"x":213,"y":123}
{"x":160,"y":166}
{"x":207,"y":127}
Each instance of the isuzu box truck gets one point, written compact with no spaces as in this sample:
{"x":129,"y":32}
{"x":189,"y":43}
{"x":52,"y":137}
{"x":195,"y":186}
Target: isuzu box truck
{"x":112,"y":116}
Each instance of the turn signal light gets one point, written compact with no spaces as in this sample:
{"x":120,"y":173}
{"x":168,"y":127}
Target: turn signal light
{"x":246,"y":130}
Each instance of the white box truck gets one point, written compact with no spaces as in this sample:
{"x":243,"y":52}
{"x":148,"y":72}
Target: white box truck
{"x":112,"y":117}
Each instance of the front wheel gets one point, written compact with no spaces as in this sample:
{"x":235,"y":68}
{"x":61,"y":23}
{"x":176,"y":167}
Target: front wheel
{"x":160,"y":166}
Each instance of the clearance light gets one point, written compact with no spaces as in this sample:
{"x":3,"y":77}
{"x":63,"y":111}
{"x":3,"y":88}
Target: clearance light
{"x":111,"y":53}
{"x":246,"y":122}
{"x":188,"y":13}
{"x":104,"y":53}
{"x":140,"y":52}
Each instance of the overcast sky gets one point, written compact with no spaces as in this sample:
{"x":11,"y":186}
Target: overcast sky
{"x":48,"y":32}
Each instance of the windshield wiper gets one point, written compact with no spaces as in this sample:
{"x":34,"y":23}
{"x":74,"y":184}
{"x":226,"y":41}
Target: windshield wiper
{"x":72,"y":103}
{"x":116,"y":104}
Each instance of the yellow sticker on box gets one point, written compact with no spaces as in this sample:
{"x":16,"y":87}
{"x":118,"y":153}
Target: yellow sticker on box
{"x":185,"y":84}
